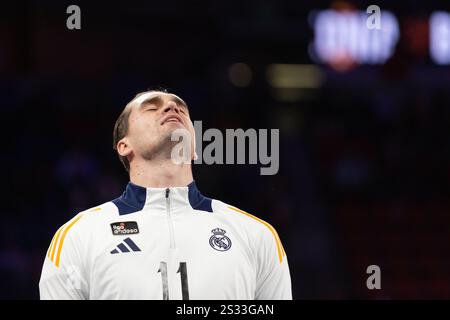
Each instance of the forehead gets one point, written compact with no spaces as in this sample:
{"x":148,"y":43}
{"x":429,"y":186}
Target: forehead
{"x":137,"y":102}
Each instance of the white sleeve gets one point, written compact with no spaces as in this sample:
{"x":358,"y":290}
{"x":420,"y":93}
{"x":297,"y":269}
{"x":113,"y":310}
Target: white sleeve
{"x":63,"y":276}
{"x":273,"y":278}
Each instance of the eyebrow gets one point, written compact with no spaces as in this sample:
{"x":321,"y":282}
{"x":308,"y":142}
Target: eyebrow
{"x":157,"y":99}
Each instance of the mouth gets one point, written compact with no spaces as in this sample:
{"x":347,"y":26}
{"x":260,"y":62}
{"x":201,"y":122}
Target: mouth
{"x":172,"y":118}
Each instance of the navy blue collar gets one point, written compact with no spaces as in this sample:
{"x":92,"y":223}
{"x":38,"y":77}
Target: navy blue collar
{"x":136,"y":197}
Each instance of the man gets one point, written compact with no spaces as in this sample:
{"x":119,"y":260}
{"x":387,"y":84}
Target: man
{"x":162,"y":239}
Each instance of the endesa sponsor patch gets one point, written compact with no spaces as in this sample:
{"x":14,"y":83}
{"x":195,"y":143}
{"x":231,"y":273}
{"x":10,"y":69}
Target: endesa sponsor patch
{"x":124,"y":228}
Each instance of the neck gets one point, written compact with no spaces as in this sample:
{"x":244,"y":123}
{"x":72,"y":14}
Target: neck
{"x":160,"y":174}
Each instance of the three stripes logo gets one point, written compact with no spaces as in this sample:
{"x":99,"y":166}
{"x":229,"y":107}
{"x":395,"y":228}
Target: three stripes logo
{"x":54,"y":251}
{"x":127,"y":245}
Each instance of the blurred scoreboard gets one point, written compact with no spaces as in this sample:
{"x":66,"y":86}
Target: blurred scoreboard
{"x":440,"y":37}
{"x":342,"y":37}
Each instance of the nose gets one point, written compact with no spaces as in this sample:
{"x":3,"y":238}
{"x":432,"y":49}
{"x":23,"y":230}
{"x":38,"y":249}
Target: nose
{"x":171,"y":106}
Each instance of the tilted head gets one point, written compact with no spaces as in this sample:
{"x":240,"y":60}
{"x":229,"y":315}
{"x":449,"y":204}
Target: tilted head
{"x":143,"y":130}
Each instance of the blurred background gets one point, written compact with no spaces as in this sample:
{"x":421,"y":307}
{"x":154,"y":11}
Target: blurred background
{"x":363,"y":114}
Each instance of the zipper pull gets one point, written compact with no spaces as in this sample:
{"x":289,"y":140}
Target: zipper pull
{"x":167,"y":192}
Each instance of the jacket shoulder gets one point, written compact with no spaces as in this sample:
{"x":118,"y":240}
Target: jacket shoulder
{"x":232,"y":212}
{"x":84,"y":220}
{"x":75,"y":232}
{"x":261,"y":231}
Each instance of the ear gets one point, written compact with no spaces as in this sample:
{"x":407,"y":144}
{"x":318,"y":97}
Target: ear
{"x":123,"y":147}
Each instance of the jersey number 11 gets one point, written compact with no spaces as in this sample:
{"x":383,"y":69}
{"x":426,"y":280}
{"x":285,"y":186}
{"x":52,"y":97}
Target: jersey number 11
{"x":182,"y":270}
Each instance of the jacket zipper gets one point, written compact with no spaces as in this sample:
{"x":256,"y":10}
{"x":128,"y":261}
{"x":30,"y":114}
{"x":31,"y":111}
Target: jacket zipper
{"x":169,"y":219}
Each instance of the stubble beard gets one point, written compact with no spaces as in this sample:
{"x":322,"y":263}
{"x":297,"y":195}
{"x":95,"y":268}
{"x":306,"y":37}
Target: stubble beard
{"x":162,"y":149}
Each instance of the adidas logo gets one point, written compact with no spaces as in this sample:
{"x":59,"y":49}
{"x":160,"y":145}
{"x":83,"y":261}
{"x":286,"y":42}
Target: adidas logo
{"x":121,"y":247}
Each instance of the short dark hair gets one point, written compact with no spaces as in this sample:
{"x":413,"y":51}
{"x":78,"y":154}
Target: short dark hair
{"x":122,"y":125}
{"x":120,"y":131}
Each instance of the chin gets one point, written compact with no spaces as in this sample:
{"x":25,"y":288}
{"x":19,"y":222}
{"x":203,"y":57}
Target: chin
{"x":171,"y":129}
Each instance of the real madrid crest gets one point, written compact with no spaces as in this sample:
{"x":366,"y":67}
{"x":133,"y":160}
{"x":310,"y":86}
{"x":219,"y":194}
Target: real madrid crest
{"x":219,"y":240}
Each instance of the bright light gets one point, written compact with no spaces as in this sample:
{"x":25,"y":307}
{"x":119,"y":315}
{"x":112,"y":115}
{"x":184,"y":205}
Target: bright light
{"x":303,"y":76}
{"x":440,"y":37}
{"x":343,"y":36}
{"x":294,"y":82}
